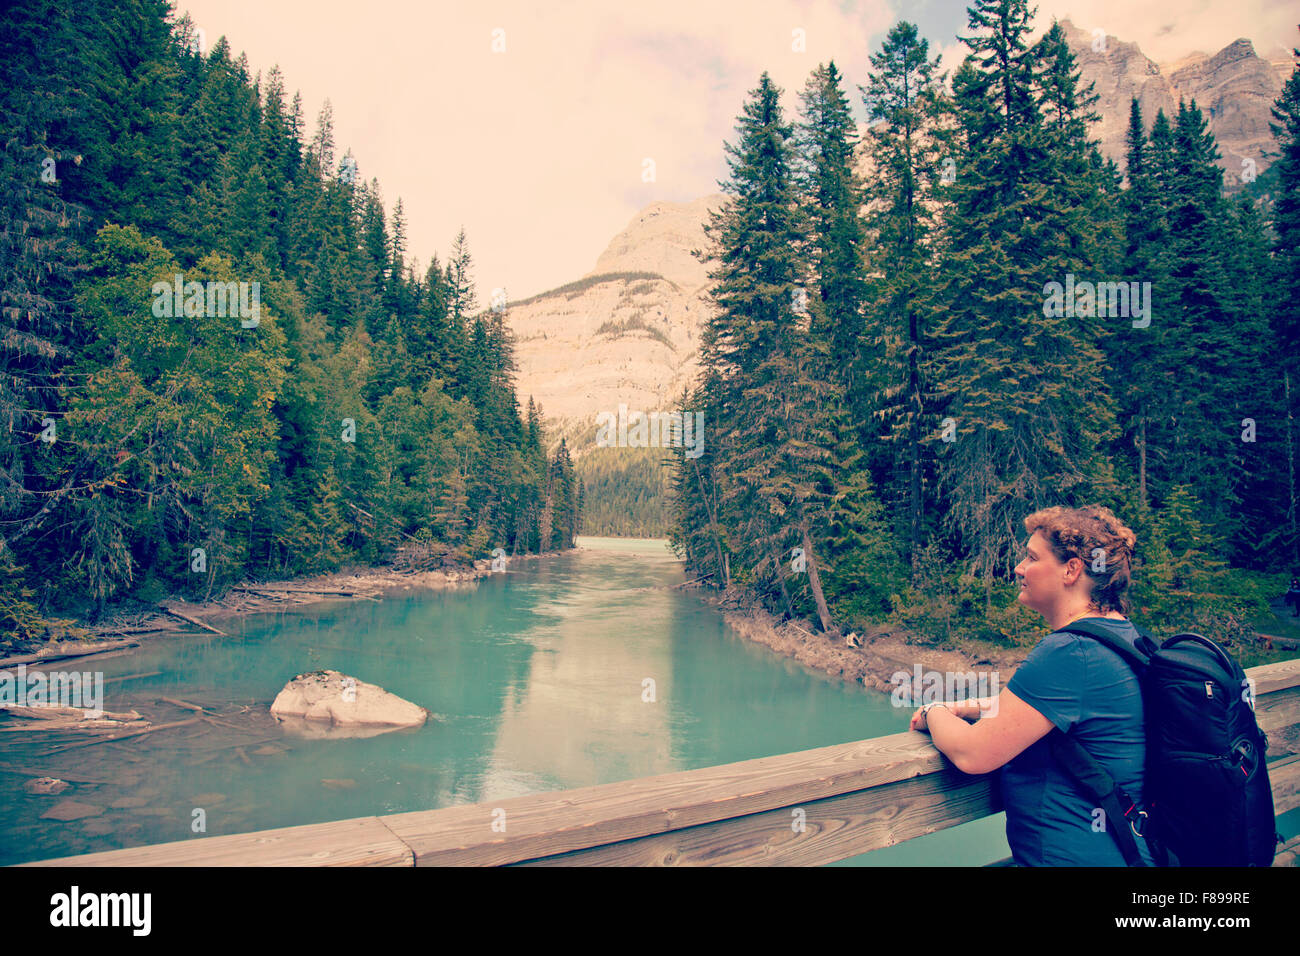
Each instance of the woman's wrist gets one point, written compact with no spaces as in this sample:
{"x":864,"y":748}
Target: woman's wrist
{"x":929,"y":707}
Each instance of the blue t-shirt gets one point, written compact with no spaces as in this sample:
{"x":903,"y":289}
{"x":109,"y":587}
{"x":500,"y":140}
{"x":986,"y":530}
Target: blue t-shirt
{"x":1083,"y":687}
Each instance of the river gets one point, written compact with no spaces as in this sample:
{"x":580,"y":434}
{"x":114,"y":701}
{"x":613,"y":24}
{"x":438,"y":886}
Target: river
{"x":539,"y":677}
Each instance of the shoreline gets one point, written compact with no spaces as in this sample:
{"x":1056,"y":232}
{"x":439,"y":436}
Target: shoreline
{"x":883,"y":650}
{"x":133,"y":623}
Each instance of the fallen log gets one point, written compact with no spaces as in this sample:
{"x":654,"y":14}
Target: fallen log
{"x":1283,"y":642}
{"x":51,"y":728}
{"x":66,"y":652}
{"x":185,"y":705}
{"x":686,"y":584}
{"x":257,"y":592}
{"x":113,"y":680}
{"x":402,"y":531}
{"x":59,"y":713}
{"x":195,"y":621}
{"x":333,"y":591}
{"x":134,"y":733}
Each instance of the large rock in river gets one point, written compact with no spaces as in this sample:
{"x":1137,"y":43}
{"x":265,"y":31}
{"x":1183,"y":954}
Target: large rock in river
{"x":331,"y":704}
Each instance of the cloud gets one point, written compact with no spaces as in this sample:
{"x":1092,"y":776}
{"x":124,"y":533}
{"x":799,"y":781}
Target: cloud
{"x":539,"y":150}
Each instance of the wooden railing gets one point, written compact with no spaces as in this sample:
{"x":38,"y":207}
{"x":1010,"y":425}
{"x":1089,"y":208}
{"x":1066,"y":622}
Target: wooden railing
{"x":802,"y":809}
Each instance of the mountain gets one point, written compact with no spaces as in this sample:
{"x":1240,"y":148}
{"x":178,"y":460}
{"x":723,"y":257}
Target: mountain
{"x":628,"y":331}
{"x":1235,"y":89}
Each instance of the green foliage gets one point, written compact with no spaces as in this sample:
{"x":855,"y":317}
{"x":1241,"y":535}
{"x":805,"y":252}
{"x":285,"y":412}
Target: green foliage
{"x":22,"y":626}
{"x":365,"y":407}
{"x":927,"y":317}
{"x":626,"y":492}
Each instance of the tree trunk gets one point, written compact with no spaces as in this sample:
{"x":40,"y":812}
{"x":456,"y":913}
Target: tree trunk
{"x":914,"y":546}
{"x":723,"y":568}
{"x":914,"y":381}
{"x":1290,"y":468}
{"x":544,"y":526}
{"x":814,"y":579}
{"x":785,"y":592}
{"x":1142,"y":456}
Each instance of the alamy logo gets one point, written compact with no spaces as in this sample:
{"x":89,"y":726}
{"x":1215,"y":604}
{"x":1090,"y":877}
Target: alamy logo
{"x":102,"y":909}
{"x":1104,"y":300}
{"x":214,"y":299}
{"x":656,"y":430}
{"x":80,"y":689}
{"x":929,"y":687}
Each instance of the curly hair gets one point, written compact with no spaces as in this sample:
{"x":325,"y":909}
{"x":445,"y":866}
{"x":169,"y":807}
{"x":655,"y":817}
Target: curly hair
{"x":1097,"y":538}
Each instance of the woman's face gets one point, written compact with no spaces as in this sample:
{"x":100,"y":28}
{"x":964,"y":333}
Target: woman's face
{"x":1039,"y":575}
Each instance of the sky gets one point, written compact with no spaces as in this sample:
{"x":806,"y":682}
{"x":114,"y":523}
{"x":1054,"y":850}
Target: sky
{"x":530,"y":123}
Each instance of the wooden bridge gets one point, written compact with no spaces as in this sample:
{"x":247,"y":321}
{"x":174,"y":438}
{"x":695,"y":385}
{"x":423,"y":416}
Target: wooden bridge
{"x":799,"y":809}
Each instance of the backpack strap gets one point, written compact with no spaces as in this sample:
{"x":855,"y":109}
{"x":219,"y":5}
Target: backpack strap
{"x":1121,"y":810}
{"x":1136,"y":657}
{"x":1099,"y":786}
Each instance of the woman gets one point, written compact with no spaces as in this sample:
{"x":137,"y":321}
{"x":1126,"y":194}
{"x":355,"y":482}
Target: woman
{"x":1068,"y":681}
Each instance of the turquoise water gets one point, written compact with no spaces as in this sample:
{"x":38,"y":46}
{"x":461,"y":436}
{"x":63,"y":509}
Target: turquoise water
{"x":537,"y":678}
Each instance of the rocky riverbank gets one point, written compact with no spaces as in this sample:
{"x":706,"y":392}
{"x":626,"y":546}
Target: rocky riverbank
{"x":131,"y":622}
{"x":872,"y":656}
{"x":128,"y":623}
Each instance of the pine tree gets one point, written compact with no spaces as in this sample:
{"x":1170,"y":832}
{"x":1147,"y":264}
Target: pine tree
{"x":322,"y":145}
{"x":40,"y":257}
{"x":184,"y":429}
{"x":1145,"y":259}
{"x":830,"y":191}
{"x":911,"y":155}
{"x":563,"y":497}
{"x":1286,"y":277}
{"x":462,"y":300}
{"x":279,"y":160}
{"x":765,"y":401}
{"x":1026,"y":400}
{"x":1203,"y":401}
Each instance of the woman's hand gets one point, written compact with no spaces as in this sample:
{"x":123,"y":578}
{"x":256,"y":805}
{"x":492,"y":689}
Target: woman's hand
{"x":918,"y":721}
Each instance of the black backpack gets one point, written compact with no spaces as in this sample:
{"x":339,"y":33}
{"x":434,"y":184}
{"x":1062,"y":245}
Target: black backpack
{"x":1208,"y":800}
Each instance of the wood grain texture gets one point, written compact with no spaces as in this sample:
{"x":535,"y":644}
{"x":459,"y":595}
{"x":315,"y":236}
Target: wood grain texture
{"x":364,"y":841}
{"x":1270,"y":678}
{"x":831,"y":829}
{"x":545,"y":824}
{"x":1284,"y":779}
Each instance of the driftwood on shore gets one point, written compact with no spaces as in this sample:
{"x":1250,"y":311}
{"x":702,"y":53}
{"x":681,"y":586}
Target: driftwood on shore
{"x":1283,"y":642}
{"x":191,"y":620}
{"x":289,"y":590}
{"x":420,"y":564}
{"x":686,"y":584}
